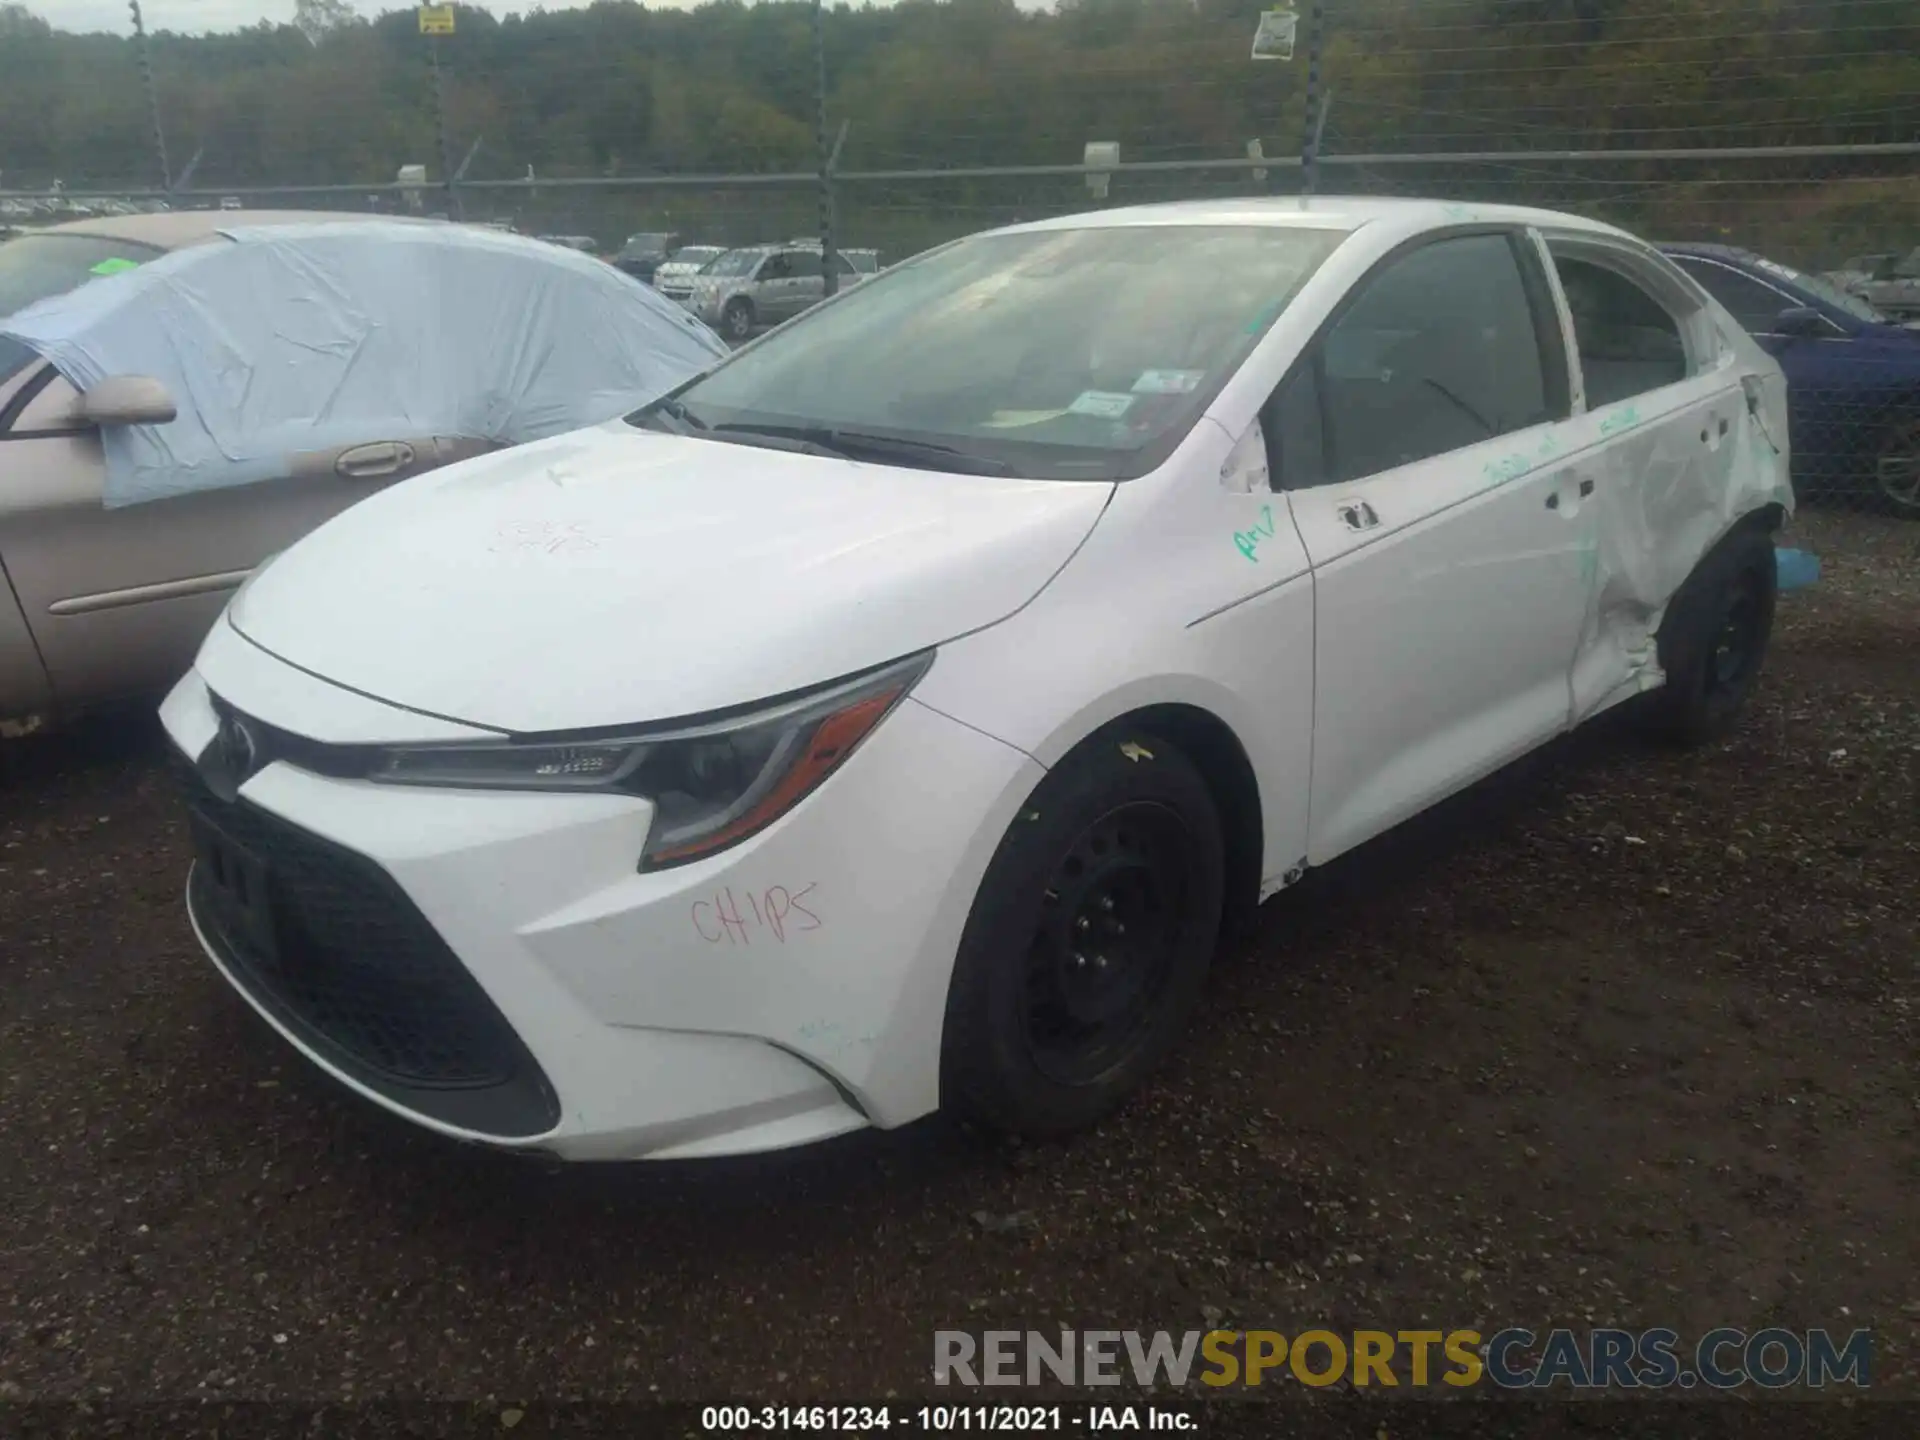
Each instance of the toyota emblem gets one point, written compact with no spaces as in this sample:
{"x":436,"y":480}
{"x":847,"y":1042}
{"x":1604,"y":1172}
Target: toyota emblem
{"x":238,"y":747}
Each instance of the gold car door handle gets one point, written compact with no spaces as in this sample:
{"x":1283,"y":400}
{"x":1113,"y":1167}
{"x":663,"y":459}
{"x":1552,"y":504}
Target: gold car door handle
{"x":367,"y":462}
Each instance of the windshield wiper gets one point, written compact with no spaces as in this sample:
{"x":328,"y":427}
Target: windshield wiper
{"x":670,"y":407}
{"x":799,"y":439}
{"x":924,"y":452}
{"x":859,"y":445}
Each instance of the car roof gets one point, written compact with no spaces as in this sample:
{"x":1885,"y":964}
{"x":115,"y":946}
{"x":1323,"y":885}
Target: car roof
{"x":1706,"y":250}
{"x":1329,"y":212}
{"x":176,"y":229}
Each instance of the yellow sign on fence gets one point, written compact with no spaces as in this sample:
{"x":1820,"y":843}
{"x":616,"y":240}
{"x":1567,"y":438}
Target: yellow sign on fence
{"x":436,"y":19}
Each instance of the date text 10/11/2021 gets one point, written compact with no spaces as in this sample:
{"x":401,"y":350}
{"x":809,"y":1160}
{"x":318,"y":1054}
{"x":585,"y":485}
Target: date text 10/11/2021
{"x":947,"y":1419}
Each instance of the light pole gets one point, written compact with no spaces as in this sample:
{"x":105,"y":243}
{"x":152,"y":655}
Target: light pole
{"x":153,"y":95}
{"x":829,"y":256}
{"x":1312,"y":119}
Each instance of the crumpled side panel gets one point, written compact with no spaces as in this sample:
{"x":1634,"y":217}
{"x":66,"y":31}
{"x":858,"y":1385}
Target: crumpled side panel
{"x":1671,"y":485}
{"x":302,"y":338}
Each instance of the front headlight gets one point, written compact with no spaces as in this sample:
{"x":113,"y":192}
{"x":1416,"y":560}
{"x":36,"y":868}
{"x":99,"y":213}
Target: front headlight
{"x":712,"y":785}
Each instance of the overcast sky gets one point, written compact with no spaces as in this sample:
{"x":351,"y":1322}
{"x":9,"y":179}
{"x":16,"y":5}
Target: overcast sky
{"x":196,"y":17}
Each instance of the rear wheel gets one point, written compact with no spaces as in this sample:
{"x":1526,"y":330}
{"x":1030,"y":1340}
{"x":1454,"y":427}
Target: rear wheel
{"x":737,"y":319}
{"x":1896,"y":469}
{"x":1089,"y":940}
{"x":1714,"y":639}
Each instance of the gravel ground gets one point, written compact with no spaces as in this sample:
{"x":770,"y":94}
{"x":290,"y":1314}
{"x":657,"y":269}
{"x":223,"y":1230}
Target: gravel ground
{"x":1621,"y":1036}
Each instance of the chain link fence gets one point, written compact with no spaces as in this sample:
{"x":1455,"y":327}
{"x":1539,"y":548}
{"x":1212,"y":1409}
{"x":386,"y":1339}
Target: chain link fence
{"x":1786,"y":129}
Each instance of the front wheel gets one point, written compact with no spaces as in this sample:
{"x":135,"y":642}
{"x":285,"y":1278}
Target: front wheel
{"x":1714,"y":639}
{"x":1089,"y":940}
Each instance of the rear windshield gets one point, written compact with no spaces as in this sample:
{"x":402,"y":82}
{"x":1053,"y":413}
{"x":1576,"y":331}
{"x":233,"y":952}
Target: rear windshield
{"x":38,"y":267}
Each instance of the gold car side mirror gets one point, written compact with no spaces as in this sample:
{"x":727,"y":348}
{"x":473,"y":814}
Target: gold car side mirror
{"x":126,"y":400}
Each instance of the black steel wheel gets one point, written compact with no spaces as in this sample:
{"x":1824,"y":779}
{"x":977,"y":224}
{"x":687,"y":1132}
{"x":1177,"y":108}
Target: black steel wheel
{"x":1714,"y":640}
{"x":1089,"y":939}
{"x":1107,"y":941}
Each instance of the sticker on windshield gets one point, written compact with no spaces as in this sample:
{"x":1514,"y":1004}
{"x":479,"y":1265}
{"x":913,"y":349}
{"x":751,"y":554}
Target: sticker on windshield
{"x":115,"y":267}
{"x":1102,"y":404}
{"x":1168,"y":382}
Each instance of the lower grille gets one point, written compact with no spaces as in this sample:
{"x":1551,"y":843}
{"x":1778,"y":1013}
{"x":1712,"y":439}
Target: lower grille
{"x":354,"y":969}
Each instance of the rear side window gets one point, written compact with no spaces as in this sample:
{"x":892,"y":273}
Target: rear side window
{"x":804,"y":265}
{"x":1439,"y":351}
{"x":1628,"y":343}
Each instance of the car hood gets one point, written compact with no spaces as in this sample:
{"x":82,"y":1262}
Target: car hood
{"x":614,"y":576}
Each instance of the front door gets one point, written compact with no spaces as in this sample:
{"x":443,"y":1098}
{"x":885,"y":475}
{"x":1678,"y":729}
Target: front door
{"x":1448,"y":531}
{"x":118,"y":600}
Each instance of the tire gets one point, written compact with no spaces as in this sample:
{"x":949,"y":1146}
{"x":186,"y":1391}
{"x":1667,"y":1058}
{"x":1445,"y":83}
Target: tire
{"x":737,"y":319}
{"x":1047,"y":1031}
{"x":1896,"y":468}
{"x":1714,"y":640}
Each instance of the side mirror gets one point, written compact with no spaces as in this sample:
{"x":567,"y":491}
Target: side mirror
{"x":126,"y":400}
{"x":1799,"y":322}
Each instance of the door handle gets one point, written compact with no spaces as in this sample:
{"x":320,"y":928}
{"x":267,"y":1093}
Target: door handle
{"x":1358,"y":516}
{"x":366,"y":462}
{"x":1586,"y":488}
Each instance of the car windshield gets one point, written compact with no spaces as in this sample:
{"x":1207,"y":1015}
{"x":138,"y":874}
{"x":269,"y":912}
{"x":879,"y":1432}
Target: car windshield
{"x":1057,"y":354}
{"x":649,"y":244}
{"x":38,"y":267}
{"x":1823,"y":289}
{"x":734,"y":262}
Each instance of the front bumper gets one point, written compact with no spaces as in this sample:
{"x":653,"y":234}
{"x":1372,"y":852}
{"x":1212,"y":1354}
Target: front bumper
{"x":492,"y":965}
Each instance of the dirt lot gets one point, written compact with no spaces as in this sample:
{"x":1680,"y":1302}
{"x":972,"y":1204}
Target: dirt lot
{"x":1625,"y":1037}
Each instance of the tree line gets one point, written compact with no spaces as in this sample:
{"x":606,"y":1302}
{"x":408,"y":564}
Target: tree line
{"x":620,"y":89}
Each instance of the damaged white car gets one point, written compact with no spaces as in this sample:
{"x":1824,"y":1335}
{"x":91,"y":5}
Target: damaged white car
{"x":896,"y":716}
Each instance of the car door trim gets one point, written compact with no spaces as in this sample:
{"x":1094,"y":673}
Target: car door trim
{"x":28,"y":392}
{"x":145,"y":594}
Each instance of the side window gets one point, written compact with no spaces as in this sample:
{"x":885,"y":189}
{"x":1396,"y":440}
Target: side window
{"x":804,"y":265}
{"x":1441,"y":350}
{"x":1628,"y":343}
{"x":1754,"y":305}
{"x":774,"y":267}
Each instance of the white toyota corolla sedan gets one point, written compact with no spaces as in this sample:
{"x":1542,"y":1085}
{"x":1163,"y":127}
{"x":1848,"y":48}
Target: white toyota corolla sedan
{"x":897,"y":716}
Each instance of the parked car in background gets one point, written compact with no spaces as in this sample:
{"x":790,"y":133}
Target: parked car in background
{"x":585,"y":244}
{"x":867,"y":262}
{"x":923,"y":690}
{"x":748,"y":289}
{"x":1889,"y":283}
{"x":1853,"y":375}
{"x":177,"y":403}
{"x":673,"y":277}
{"x":643,"y":254}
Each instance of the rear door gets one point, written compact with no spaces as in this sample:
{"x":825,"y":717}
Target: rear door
{"x":1671,"y":434}
{"x":805,"y":285}
{"x":118,"y":600}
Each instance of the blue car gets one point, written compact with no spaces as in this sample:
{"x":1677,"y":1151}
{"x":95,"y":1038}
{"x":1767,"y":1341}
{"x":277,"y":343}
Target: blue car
{"x":1853,"y":375}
